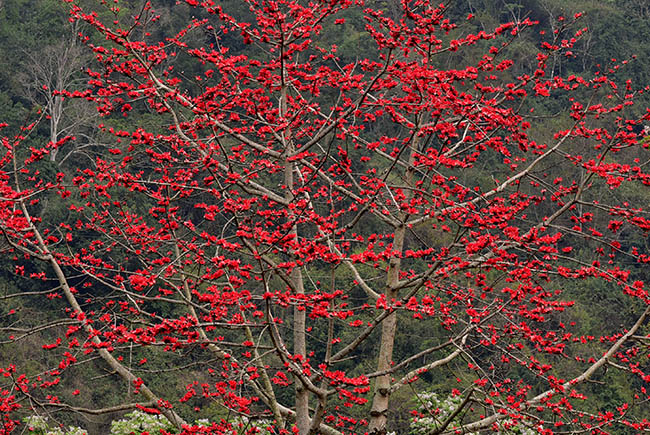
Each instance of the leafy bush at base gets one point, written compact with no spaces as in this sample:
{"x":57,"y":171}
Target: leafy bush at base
{"x":138,"y":422}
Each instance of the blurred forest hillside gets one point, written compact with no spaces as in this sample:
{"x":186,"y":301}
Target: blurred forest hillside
{"x":41,"y":53}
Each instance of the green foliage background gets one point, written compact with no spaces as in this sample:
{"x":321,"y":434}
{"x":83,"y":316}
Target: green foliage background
{"x":618,"y":29}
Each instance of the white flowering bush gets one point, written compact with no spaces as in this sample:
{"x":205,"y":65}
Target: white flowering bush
{"x":38,"y":425}
{"x":435,"y":411}
{"x":137,"y":422}
{"x":134,"y":422}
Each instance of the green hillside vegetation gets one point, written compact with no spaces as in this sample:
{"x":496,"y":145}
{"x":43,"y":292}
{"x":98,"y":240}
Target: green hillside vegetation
{"x":41,"y":52}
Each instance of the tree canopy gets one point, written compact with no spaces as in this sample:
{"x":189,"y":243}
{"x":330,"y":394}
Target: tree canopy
{"x":326,"y":217}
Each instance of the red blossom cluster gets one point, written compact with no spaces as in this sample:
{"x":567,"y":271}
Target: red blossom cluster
{"x":264,"y":237}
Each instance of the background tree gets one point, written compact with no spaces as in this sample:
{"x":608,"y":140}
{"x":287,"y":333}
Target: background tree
{"x":48,"y":71}
{"x":284,"y":239}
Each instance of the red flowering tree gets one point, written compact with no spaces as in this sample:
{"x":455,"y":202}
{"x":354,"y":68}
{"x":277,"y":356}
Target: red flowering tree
{"x":272,"y":223}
